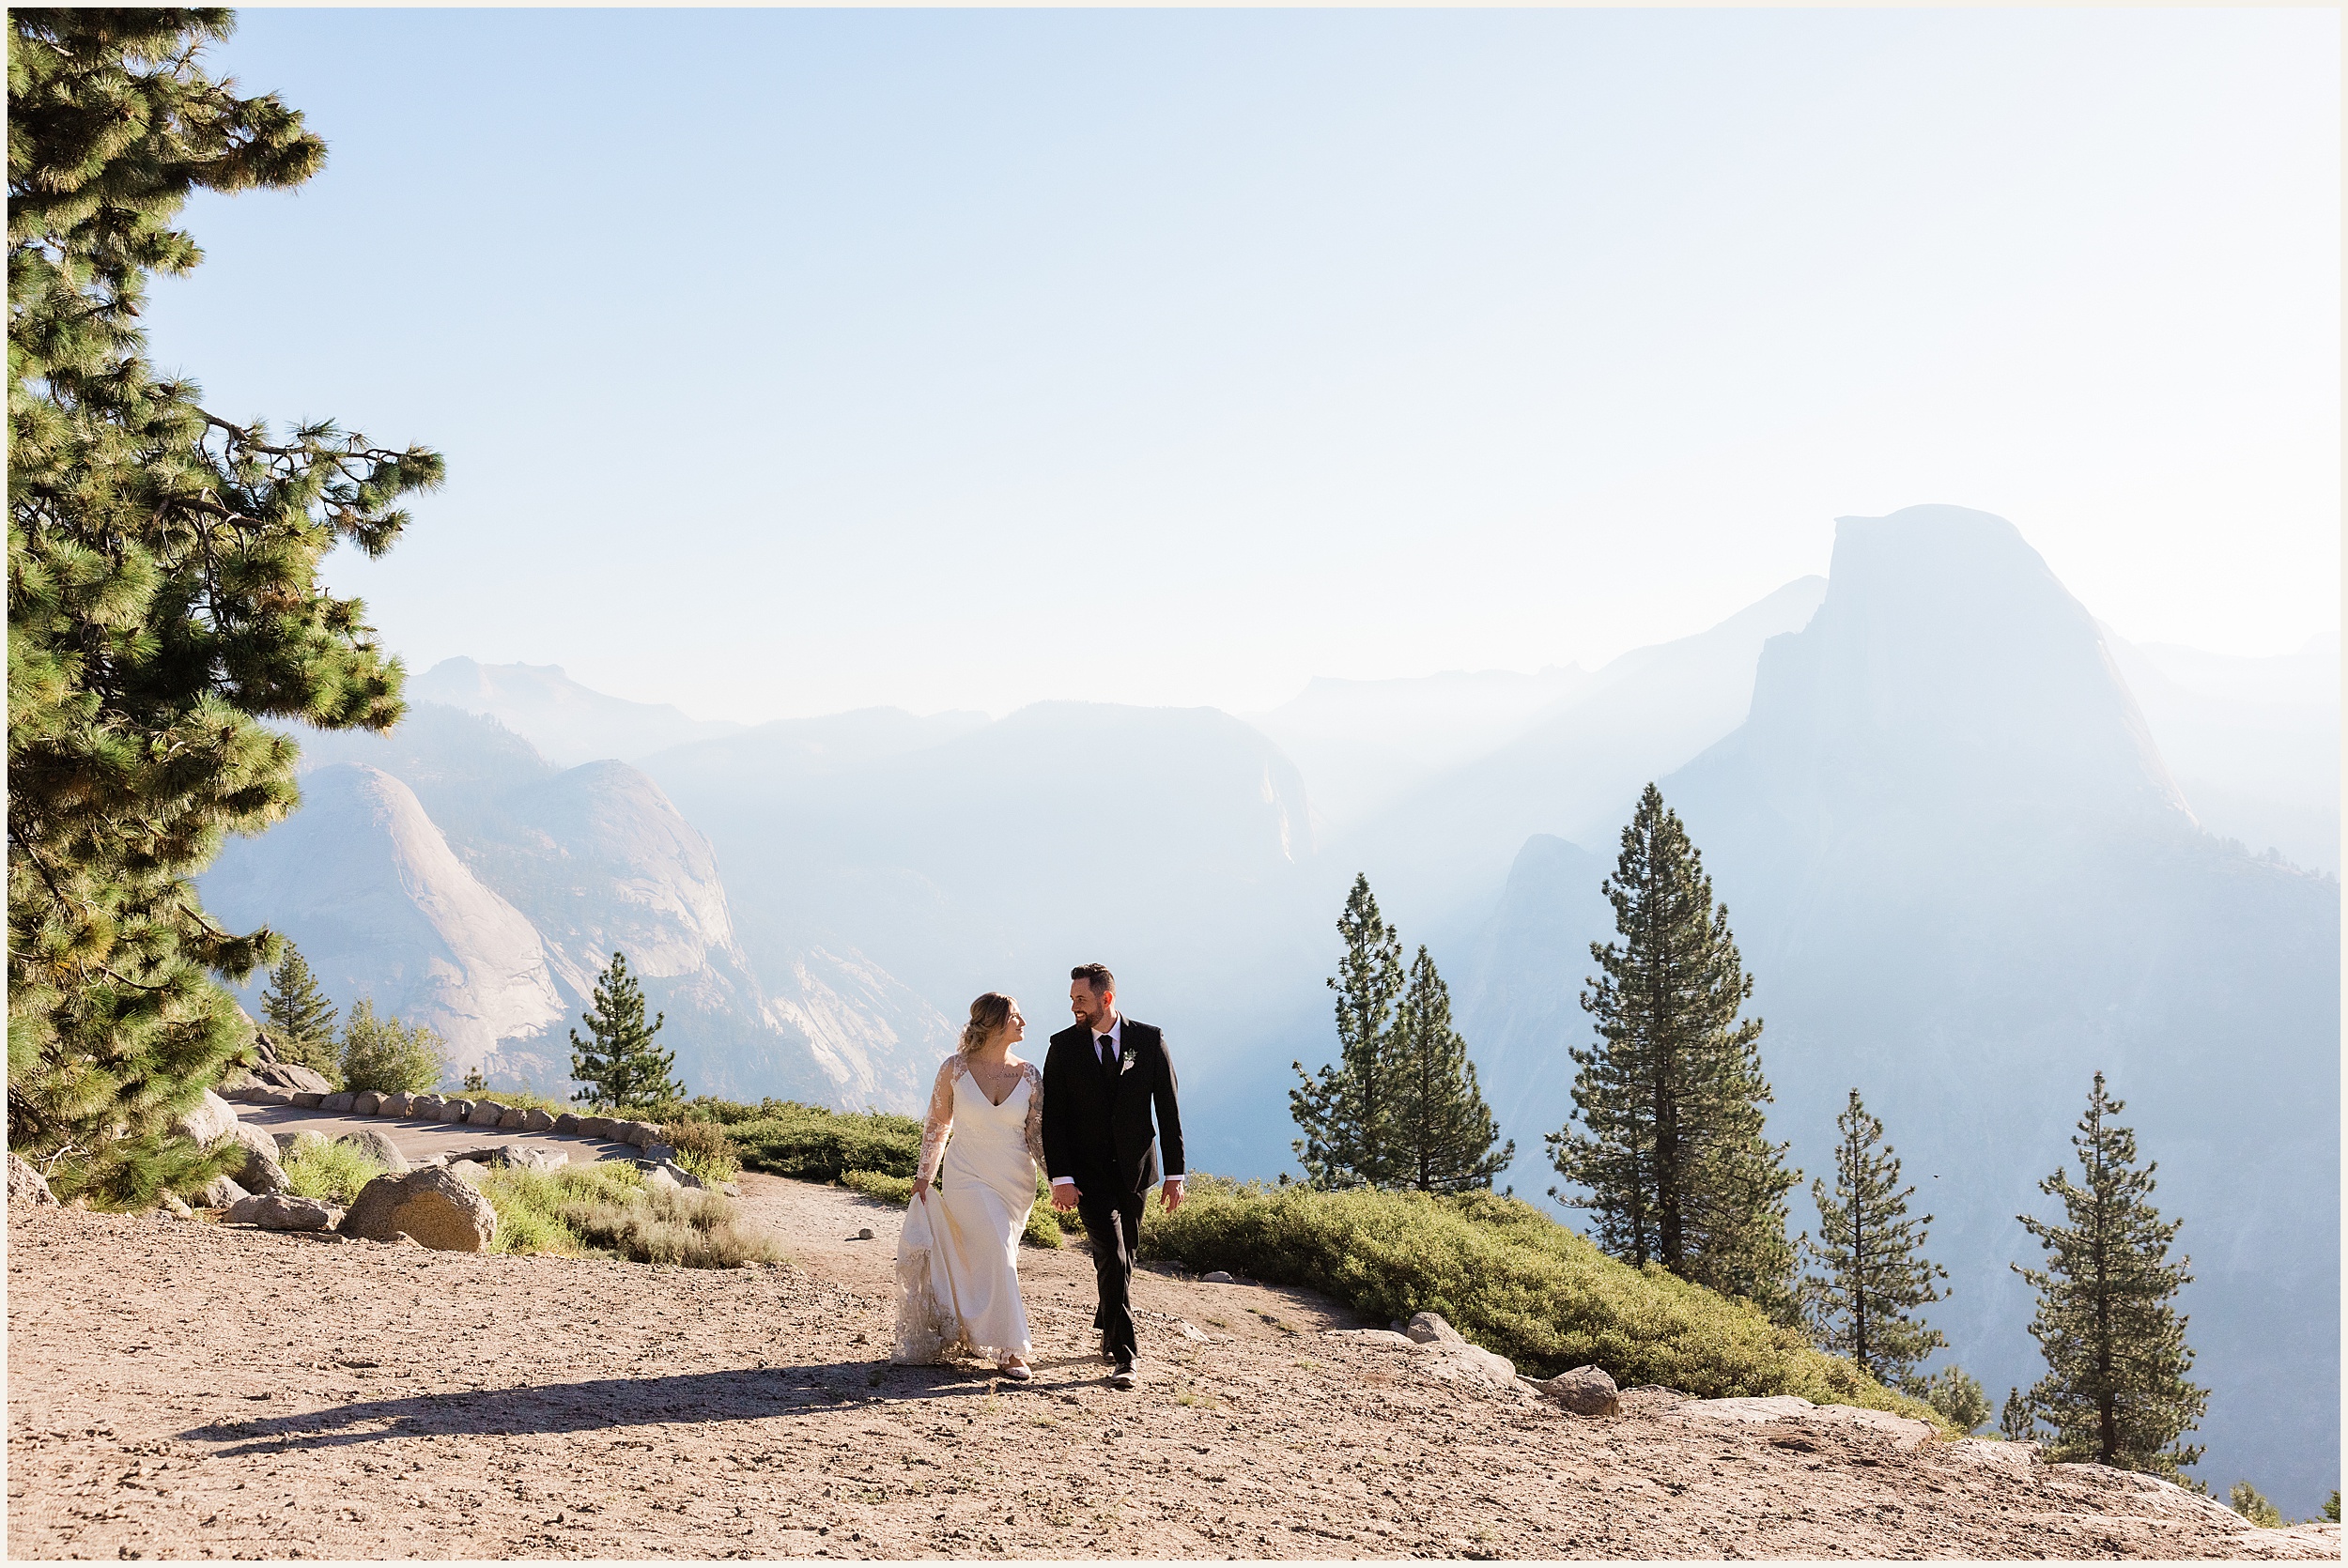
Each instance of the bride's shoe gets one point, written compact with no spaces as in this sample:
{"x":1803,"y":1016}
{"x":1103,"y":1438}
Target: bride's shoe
{"x":1015,"y":1369}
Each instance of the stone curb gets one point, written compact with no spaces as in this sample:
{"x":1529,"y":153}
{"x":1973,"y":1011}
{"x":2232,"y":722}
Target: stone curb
{"x":484,"y":1112}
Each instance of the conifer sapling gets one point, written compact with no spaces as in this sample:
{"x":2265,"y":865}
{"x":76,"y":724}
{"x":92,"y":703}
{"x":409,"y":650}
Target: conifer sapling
{"x":1869,"y":1273}
{"x":1347,"y":1113}
{"x":1445,"y":1132}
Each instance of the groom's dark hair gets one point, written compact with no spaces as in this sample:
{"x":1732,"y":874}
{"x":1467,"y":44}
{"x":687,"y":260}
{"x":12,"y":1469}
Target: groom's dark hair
{"x":1097,"y":976}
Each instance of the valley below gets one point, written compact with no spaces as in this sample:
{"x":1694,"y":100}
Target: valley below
{"x":189,"y":1390}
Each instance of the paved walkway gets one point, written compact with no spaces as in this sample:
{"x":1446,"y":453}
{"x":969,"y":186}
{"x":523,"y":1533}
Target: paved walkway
{"x":420,"y":1140}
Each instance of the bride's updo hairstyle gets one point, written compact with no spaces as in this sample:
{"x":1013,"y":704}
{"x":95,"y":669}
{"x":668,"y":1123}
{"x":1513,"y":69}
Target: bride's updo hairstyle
{"x":988,"y":1015}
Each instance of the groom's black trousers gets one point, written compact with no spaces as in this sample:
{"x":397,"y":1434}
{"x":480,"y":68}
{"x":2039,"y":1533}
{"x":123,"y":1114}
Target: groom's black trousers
{"x":1113,"y":1225}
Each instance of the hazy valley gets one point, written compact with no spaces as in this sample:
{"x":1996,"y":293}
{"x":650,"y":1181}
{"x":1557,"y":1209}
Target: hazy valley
{"x":1974,"y":848}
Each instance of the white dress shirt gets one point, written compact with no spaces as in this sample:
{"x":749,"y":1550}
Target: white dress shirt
{"x":1107,"y":1048}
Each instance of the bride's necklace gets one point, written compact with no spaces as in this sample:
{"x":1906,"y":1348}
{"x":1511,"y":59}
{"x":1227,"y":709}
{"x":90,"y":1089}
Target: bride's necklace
{"x":995,"y":1080}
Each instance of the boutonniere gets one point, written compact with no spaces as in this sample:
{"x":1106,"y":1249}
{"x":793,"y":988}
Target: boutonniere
{"x":1125,"y":1062}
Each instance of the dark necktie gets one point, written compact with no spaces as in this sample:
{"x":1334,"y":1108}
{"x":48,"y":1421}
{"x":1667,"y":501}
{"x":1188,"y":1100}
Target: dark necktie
{"x":1108,"y":1046}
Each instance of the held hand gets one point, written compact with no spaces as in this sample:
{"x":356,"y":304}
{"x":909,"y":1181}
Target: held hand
{"x":1064,"y":1195}
{"x":920,"y":1189}
{"x":1171,"y":1196}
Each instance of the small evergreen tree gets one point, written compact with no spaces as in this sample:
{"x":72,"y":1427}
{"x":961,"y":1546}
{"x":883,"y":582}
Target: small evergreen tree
{"x":1871,"y":1272}
{"x":475,"y":1082}
{"x":1348,"y":1113}
{"x":1672,"y":1157}
{"x":2331,"y":1506}
{"x":1956,"y":1394}
{"x":301,"y":1019}
{"x":621,"y":1065}
{"x":2115,"y":1390}
{"x":382,"y":1054}
{"x":2017,"y":1421}
{"x":1443,"y":1130}
{"x":164,"y":590}
{"x":2245,"y":1500}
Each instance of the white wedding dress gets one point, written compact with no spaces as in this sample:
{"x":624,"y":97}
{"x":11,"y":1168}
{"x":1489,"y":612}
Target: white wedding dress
{"x":958,"y":1255}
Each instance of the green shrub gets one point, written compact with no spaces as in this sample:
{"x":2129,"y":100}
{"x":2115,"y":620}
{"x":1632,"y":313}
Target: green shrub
{"x":1513,"y":1280}
{"x":704,"y":1148}
{"x":872,"y":1184}
{"x":336,"y":1172}
{"x":699,"y":1230}
{"x":817,"y":1144}
{"x":383,"y":1054}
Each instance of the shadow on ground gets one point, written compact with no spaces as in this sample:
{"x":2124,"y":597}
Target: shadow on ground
{"x":600,"y":1403}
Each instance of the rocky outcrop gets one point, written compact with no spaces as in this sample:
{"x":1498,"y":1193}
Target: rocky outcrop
{"x":1586,"y":1390}
{"x":275,"y":1212}
{"x":429,"y":1203}
{"x":375,"y":1146}
{"x":260,"y":1172}
{"x":1904,"y":1433}
{"x":27,"y":1185}
{"x":208,"y":1119}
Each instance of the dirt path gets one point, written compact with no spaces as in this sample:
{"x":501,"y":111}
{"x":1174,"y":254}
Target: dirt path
{"x":189,"y":1390}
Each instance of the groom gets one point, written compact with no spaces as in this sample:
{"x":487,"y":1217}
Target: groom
{"x":1100,"y":1079}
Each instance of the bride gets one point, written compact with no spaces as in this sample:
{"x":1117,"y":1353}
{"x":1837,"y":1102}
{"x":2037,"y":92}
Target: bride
{"x":958,"y":1255}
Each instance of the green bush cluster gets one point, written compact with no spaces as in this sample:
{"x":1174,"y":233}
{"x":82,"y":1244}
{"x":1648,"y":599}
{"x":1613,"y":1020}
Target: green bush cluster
{"x":705,"y":1148}
{"x":784,"y":1138}
{"x":335,"y":1171}
{"x":605,"y":1209}
{"x":1513,"y":1280}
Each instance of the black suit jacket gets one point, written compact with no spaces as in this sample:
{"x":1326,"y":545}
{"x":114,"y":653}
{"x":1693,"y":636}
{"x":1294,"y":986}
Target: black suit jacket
{"x":1096,"y":1125}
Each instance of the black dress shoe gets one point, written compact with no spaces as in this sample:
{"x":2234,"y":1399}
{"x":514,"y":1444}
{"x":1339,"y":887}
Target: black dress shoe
{"x":1124,"y":1377}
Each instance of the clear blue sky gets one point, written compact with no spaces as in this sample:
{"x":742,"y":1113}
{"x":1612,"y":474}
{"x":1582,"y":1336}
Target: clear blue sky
{"x":788,"y":362}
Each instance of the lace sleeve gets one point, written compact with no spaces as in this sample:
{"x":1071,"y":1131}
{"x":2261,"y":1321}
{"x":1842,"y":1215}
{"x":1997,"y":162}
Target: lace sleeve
{"x":1035,"y":1113}
{"x":941,"y":1118}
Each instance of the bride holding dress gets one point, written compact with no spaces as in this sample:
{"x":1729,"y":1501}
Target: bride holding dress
{"x":958,"y":1255}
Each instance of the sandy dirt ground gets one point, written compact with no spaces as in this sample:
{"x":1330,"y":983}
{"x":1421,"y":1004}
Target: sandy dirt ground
{"x":189,"y":1390}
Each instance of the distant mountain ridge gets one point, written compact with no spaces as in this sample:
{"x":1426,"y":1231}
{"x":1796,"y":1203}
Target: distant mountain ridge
{"x":567,"y":722}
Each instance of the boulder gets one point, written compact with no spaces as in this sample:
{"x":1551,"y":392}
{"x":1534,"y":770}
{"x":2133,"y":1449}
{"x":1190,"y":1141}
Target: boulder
{"x":27,"y":1185}
{"x":638,"y":1134}
{"x":1586,"y":1390}
{"x":339,"y":1100}
{"x":208,"y":1120}
{"x":594,"y":1127}
{"x":529,"y":1156}
{"x":469,"y":1171}
{"x":375,"y":1146}
{"x":1429,"y":1328}
{"x":366,"y":1102}
{"x":171,"y":1204}
{"x":537,"y":1120}
{"x":425,"y":1108}
{"x":274,"y":1212}
{"x":291,"y":1144}
{"x":396,"y":1105}
{"x":307,"y":1100}
{"x":1495,"y":1367}
{"x":219,"y":1193}
{"x":567,"y":1122}
{"x":457,"y":1109}
{"x":432,"y":1204}
{"x":292,"y":1077}
{"x":1214,"y":1276}
{"x":260,"y":1172}
{"x":659,"y":1151}
{"x":669,"y":1171}
{"x":260,"y":1094}
{"x":513,"y":1118}
{"x":1383,"y":1339}
{"x":484,"y":1112}
{"x":658,"y":1176}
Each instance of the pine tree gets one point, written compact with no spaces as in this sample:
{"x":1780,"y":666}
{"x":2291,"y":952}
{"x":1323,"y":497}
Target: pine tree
{"x":2017,"y":1421}
{"x":2115,"y":1390}
{"x":1956,"y":1394}
{"x":163,"y":592}
{"x":2247,"y":1500}
{"x":301,"y":1019}
{"x":1672,"y":1157}
{"x":1443,"y":1132}
{"x":620,"y":1064}
{"x":1873,"y":1274}
{"x":1348,"y":1113}
{"x":383,"y":1053}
